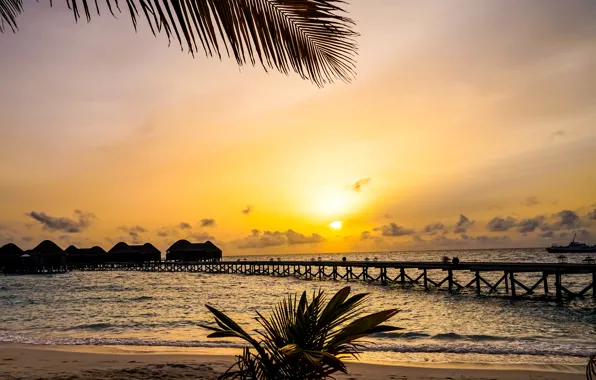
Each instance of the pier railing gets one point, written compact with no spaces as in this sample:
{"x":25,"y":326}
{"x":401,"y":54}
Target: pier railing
{"x":504,"y":278}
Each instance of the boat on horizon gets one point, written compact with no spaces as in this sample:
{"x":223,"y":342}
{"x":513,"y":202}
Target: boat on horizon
{"x":573,"y":247}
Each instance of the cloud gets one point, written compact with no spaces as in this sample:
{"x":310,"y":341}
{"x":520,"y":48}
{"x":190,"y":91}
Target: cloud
{"x":531,"y":201}
{"x":365,"y":235}
{"x":592,"y":215}
{"x":82,"y":220}
{"x":583,"y":235}
{"x":298,"y":238}
{"x":466,"y":239}
{"x":463,"y":224}
{"x":201,"y":236}
{"x":393,"y":229}
{"x":529,"y":225}
{"x":567,"y":220}
{"x":547,"y":234}
{"x":357,"y":186}
{"x":247,"y":210}
{"x":137,"y":229}
{"x":163,"y":232}
{"x":208,"y":222}
{"x":184,"y":226}
{"x":258,"y":239}
{"x":490,"y":239}
{"x":434,"y":228}
{"x":499,"y":224}
{"x":133,"y":233}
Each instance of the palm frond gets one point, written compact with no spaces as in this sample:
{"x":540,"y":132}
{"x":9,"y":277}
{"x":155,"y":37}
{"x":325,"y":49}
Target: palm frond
{"x":304,"y":339}
{"x":9,"y":10}
{"x":591,"y":368}
{"x":310,"y":37}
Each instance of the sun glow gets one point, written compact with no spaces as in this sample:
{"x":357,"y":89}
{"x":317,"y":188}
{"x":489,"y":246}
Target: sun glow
{"x":336,"y":225}
{"x":333,"y":202}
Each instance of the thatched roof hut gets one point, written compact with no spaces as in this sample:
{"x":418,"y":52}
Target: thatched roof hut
{"x":123,"y":252}
{"x":10,"y":255}
{"x":47,"y":247}
{"x":10,"y":249}
{"x":183,"y":250}
{"x":47,"y":253}
{"x":94,"y":254}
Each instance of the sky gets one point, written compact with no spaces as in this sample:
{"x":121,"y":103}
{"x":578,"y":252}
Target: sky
{"x":470,"y":124}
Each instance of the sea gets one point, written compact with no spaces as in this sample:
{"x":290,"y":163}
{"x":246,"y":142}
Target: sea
{"x":144,"y":309}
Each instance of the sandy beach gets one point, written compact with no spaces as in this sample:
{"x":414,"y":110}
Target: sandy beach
{"x":131,"y":363}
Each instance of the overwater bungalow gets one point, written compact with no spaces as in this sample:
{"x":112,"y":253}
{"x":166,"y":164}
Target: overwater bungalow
{"x":91,"y":255}
{"x":123,"y":252}
{"x":48,"y":253}
{"x":183,"y":250}
{"x":47,"y":257}
{"x":10,"y":256}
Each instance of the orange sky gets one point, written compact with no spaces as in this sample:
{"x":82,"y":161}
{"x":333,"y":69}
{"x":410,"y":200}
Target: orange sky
{"x":477,"y":108}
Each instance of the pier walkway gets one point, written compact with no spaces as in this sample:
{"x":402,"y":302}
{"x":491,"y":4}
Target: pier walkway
{"x":516,"y":280}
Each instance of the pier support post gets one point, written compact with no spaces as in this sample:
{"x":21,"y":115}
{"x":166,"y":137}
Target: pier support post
{"x":558,"y":286}
{"x":594,"y":285}
{"x":512,"y":279}
{"x":402,"y":276}
{"x":425,"y":280}
{"x":384,"y":276}
{"x":477,"y":282}
{"x":506,"y":282}
{"x":545,"y":276}
{"x":450,"y":279}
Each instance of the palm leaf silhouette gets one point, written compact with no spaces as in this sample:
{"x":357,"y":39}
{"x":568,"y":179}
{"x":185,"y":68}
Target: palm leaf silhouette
{"x":309,"y":37}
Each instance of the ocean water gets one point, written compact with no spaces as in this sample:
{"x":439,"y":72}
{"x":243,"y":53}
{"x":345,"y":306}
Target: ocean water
{"x":165,"y":309}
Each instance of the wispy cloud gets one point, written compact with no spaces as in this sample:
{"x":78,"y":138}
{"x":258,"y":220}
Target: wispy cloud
{"x":463,"y":224}
{"x":258,"y":239}
{"x":81,"y":221}
{"x":358,"y":185}
{"x":207,"y":222}
{"x":392,"y":229}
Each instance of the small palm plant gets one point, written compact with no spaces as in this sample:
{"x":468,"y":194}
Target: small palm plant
{"x":302,"y":340}
{"x":591,"y":368}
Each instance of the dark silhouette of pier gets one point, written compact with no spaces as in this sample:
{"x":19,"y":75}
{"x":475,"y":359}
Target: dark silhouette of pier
{"x":516,"y":280}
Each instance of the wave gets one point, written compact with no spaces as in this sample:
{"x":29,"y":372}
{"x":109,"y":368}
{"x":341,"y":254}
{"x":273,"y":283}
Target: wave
{"x":91,"y":326}
{"x":134,"y":326}
{"x":414,"y":335}
{"x":514,"y":348}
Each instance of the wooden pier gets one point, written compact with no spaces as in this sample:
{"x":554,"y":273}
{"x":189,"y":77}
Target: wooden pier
{"x":516,"y":280}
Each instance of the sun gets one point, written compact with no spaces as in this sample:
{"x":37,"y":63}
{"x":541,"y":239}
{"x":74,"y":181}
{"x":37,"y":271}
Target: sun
{"x":336,"y":225}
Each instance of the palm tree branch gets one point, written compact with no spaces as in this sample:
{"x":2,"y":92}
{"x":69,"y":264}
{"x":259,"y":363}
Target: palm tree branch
{"x":310,"y":37}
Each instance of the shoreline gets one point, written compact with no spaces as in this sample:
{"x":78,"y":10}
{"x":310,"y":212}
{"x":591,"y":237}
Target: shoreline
{"x":22,"y":361}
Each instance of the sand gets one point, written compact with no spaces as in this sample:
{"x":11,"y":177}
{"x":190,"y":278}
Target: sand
{"x":28,"y":362}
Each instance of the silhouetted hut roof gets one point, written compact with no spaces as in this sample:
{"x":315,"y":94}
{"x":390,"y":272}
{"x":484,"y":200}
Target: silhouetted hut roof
{"x":180,"y":245}
{"x":123,"y":247}
{"x":71,"y":249}
{"x":97,"y":249}
{"x":120,"y":247}
{"x":185,"y":245}
{"x":47,"y":247}
{"x":148,"y":247}
{"x":10,"y":249}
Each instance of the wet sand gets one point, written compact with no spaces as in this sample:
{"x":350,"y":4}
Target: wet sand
{"x":25,"y":362}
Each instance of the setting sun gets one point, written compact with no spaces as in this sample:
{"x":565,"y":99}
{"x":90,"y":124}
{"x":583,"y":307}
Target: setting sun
{"x":336,"y":225}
